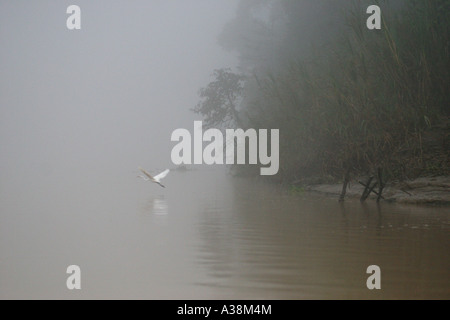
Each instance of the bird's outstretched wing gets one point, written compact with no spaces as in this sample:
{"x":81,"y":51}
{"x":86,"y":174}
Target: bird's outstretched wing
{"x":147,"y":174}
{"x":158,"y":177}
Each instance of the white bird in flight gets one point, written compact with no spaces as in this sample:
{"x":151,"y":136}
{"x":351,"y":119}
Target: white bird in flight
{"x":155,"y":179}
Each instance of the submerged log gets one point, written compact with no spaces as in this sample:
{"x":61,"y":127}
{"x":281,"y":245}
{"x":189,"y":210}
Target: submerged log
{"x":366,"y":191}
{"x":344,"y":185}
{"x":381,"y":185}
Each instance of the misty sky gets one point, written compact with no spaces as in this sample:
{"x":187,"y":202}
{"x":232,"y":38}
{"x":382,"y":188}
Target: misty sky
{"x":108,"y":95}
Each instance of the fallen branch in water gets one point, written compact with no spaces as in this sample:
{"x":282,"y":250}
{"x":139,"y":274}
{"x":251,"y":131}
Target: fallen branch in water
{"x":370,"y":190}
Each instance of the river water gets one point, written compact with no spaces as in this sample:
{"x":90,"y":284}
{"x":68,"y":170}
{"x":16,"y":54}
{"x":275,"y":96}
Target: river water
{"x":210,"y":236}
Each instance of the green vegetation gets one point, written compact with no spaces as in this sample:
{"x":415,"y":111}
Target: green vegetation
{"x":346,"y":99}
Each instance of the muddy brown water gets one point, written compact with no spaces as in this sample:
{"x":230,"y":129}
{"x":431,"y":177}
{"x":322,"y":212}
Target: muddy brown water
{"x":210,"y":236}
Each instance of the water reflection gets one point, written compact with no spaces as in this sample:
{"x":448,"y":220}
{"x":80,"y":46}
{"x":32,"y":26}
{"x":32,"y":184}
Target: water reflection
{"x":156,"y":205}
{"x":267,"y":244}
{"x":208,"y":235}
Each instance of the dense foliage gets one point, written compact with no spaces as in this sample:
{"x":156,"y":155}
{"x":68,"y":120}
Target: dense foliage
{"x":345,"y":98}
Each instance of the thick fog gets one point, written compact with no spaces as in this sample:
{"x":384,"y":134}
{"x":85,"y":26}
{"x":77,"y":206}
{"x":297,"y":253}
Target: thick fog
{"x":105,"y":97}
{"x":81,"y":110}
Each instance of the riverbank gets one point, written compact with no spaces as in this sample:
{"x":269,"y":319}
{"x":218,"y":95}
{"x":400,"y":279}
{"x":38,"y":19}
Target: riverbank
{"x":425,"y":190}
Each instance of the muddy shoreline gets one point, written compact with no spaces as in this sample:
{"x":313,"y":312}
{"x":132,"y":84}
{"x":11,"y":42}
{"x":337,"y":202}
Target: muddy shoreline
{"x":422,"y":191}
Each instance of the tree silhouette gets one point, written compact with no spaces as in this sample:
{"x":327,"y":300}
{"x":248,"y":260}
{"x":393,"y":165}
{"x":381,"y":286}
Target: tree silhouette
{"x":220,"y":99}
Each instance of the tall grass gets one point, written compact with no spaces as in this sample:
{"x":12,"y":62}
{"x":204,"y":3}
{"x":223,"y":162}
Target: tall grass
{"x":366,"y":102}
